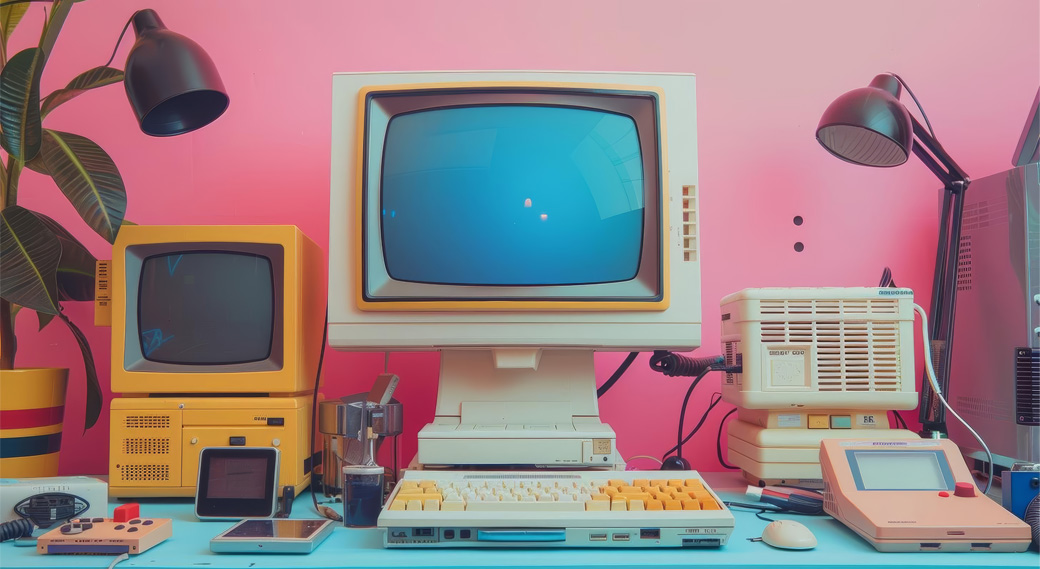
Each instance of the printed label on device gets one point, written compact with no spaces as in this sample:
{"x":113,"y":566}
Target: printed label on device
{"x":600,"y":446}
{"x":788,"y":421}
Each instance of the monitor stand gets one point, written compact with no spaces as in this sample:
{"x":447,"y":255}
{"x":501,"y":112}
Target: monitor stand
{"x":517,"y":407}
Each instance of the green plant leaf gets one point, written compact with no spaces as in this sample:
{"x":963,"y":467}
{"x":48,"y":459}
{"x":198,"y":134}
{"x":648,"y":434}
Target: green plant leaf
{"x":91,"y":79}
{"x":89,"y":178}
{"x":59,"y":11}
{"x":10,"y":15}
{"x":76,"y":266}
{"x":20,"y":104}
{"x":44,"y":319}
{"x":93,"y":387}
{"x":29,"y":254}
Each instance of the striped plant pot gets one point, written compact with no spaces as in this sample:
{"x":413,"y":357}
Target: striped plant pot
{"x":32,"y":402}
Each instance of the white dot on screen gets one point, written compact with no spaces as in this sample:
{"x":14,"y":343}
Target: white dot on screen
{"x":545,"y":216}
{"x":527,"y":202}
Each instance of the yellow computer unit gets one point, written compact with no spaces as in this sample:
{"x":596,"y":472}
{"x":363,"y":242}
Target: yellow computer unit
{"x":216,"y":335}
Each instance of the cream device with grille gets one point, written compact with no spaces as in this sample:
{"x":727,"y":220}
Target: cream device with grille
{"x":816,"y":363}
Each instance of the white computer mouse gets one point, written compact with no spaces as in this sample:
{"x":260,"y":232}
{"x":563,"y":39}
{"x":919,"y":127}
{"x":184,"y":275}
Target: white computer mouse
{"x":788,"y":534}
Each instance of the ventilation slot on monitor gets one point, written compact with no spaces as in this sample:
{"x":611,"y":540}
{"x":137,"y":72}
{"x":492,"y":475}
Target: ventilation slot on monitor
{"x":1027,"y":386}
{"x":689,"y":222}
{"x":964,"y":264}
{"x":148,"y":422}
{"x":853,"y":353}
{"x":146,"y":446}
{"x":145,"y":472}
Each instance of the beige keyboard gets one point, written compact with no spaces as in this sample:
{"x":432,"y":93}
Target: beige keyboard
{"x":580,"y":508}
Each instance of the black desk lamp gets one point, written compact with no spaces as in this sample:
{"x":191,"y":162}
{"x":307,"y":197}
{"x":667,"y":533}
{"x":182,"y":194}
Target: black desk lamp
{"x":170,"y":81}
{"x":869,"y":126}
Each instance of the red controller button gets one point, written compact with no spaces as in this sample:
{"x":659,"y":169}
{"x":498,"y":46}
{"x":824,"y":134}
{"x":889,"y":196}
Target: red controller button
{"x":127,"y":512}
{"x":964,"y":490}
{"x":944,"y":494}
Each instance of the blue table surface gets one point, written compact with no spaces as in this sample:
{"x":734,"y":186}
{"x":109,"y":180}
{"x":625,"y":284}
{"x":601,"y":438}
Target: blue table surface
{"x":363,"y":548}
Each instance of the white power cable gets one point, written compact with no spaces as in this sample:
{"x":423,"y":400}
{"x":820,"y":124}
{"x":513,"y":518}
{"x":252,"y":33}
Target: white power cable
{"x":930,"y":372}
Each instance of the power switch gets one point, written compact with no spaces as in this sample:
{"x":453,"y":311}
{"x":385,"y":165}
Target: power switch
{"x":964,"y":490}
{"x":237,"y":441}
{"x":818,"y":422}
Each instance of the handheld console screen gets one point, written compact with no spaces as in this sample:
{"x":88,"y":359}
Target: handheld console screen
{"x":272,"y":536}
{"x":914,"y":495}
{"x":237,"y":482}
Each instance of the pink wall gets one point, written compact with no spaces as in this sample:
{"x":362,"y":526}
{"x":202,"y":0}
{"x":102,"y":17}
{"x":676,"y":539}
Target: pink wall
{"x":766,"y":72}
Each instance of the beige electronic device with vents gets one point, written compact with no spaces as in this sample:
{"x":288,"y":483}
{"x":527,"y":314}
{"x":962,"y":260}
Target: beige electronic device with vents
{"x":816,"y":363}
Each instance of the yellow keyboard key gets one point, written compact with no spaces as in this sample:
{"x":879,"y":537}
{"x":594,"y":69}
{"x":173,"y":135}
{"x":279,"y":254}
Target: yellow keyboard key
{"x":710,"y":505}
{"x":659,"y":483}
{"x":654,"y":505}
{"x":618,"y":505}
{"x":635,"y":506}
{"x":691,"y":505}
{"x":672,"y":504}
{"x":409,"y":484}
{"x":696,"y":483}
{"x":600,"y":498}
{"x":398,"y":505}
{"x":597,"y":506}
{"x":414,"y":505}
{"x":629,"y":489}
{"x":640,"y":482}
{"x":675,"y":483}
{"x":427,"y":484}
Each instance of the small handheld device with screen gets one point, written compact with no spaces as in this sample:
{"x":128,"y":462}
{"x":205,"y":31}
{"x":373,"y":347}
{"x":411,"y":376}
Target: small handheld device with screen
{"x":914,"y":496}
{"x":272,"y":536}
{"x":236,"y":483}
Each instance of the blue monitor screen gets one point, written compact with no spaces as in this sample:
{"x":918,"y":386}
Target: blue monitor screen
{"x":512,"y":195}
{"x":206,"y":308}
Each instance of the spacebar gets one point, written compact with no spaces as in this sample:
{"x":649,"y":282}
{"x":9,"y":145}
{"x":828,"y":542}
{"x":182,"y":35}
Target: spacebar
{"x":525,"y":506}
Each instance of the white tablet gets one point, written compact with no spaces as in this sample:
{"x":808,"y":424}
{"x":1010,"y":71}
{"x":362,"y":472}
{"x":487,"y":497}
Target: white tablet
{"x":272,"y":536}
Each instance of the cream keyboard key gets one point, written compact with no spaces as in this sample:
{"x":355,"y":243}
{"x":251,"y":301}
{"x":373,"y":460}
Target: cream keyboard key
{"x":525,"y":507}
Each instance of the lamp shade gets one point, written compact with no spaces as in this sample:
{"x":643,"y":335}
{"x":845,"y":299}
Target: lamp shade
{"x":868,"y":126}
{"x":170,"y":81}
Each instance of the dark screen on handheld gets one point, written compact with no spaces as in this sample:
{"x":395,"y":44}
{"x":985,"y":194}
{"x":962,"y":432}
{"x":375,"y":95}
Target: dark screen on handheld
{"x":284,"y":529}
{"x":238,"y":482}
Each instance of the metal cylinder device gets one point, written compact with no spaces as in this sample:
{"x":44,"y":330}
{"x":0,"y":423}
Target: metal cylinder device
{"x":344,"y":425}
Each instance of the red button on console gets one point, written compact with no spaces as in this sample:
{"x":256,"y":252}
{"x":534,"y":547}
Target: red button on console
{"x":964,"y":490}
{"x":944,"y":494}
{"x":126,"y":512}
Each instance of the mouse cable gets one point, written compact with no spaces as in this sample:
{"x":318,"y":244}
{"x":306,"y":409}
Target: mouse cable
{"x":930,"y":373}
{"x":759,"y":509}
{"x":119,"y":559}
{"x":718,"y":442}
{"x":617,"y":374}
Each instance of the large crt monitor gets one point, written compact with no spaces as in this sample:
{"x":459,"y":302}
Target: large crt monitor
{"x":215,"y":310}
{"x":517,"y":222}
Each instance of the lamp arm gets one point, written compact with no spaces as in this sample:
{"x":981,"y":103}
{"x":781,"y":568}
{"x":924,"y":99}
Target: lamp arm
{"x":936,"y":158}
{"x":944,"y":283}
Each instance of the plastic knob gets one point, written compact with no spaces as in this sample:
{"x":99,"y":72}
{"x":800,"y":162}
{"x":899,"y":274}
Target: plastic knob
{"x":126,"y":512}
{"x":964,"y":490}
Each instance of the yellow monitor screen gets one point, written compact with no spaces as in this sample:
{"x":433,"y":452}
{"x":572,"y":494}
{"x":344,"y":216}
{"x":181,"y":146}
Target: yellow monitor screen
{"x":215,"y":309}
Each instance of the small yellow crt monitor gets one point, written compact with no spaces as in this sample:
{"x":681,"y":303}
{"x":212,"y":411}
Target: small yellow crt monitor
{"x":231,"y":310}
{"x":914,"y":496}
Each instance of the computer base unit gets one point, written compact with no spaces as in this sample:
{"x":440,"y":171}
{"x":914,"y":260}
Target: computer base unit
{"x":155,"y":442}
{"x":791,"y":455}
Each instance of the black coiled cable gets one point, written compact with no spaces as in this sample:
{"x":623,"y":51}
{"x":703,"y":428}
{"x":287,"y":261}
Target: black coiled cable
{"x":15,"y":529}
{"x":673,"y":365}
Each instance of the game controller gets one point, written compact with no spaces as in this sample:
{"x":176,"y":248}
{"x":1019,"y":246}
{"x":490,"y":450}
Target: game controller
{"x":126,"y":532}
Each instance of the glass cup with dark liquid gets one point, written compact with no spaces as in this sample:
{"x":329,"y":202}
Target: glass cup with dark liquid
{"x":362,"y":494}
